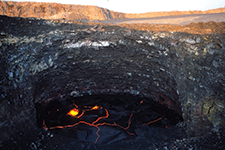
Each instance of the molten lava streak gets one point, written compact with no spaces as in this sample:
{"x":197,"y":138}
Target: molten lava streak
{"x":95,"y":107}
{"x":77,"y":114}
{"x":73,"y":112}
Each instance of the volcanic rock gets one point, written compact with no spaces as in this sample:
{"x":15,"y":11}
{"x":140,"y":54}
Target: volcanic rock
{"x":81,"y":13}
{"x":44,"y":60}
{"x":56,"y":11}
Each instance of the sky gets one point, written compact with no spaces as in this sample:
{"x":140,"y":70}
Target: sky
{"x":142,"y":6}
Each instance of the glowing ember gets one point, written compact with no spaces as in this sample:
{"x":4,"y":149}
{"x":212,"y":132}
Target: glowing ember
{"x":95,"y":107}
{"x":73,"y":112}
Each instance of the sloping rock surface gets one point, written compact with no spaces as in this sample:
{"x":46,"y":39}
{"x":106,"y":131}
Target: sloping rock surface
{"x":79,"y":12}
{"x":56,"y":11}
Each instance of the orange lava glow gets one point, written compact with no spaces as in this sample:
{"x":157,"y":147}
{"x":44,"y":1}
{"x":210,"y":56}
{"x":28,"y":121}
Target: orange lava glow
{"x":95,"y":108}
{"x":96,"y":123}
{"x":73,"y":112}
{"x":153,"y":121}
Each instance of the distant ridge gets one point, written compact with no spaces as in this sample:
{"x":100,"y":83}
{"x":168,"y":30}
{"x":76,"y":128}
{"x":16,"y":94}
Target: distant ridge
{"x":79,"y":12}
{"x":173,"y":13}
{"x":56,"y":11}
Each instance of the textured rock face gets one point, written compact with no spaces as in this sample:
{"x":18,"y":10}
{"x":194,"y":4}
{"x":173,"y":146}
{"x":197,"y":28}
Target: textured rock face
{"x":57,"y":11}
{"x":57,"y":60}
{"x":79,"y":12}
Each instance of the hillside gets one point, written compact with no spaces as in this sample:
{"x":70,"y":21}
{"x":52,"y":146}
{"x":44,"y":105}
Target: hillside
{"x":79,"y":12}
{"x":173,"y":13}
{"x":56,"y":11}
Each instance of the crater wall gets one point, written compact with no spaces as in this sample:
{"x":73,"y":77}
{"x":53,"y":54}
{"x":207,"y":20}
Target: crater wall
{"x":56,"y":60}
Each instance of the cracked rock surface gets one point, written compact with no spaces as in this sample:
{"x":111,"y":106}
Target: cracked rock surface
{"x":42,"y":60}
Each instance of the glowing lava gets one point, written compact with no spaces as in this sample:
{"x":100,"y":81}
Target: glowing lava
{"x":97,"y":122}
{"x":95,"y":108}
{"x":74,"y":112}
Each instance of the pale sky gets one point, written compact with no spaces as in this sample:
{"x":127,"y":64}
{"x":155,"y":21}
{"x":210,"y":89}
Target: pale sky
{"x":141,"y":6}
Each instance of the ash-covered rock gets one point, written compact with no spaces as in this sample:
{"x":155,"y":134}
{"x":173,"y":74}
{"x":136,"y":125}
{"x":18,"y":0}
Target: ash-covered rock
{"x":42,"y":60}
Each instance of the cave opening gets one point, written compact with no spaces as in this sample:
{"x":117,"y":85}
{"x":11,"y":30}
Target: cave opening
{"x":104,"y":118}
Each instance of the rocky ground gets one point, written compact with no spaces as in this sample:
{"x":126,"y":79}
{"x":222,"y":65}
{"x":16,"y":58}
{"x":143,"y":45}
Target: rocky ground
{"x":179,"y":68}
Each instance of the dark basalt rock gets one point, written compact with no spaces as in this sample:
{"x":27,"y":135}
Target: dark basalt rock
{"x":42,"y":61}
